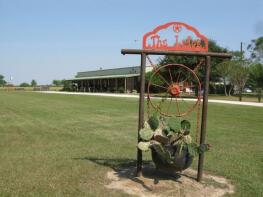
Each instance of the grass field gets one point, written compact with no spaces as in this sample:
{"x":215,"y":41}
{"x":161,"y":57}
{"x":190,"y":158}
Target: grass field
{"x":19,"y":89}
{"x":245,"y":98}
{"x":63,"y":145}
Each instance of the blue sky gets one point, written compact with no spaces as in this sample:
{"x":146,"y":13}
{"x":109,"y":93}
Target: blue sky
{"x":54,"y":39}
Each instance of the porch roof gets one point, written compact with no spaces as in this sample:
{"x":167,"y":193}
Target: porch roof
{"x":104,"y":77}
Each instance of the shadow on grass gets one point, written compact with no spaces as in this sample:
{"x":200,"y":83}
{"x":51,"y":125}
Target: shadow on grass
{"x":113,"y":163}
{"x":126,"y":168}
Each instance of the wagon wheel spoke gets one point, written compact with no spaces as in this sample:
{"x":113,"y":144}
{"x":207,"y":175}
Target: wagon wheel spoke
{"x":168,"y":105}
{"x":179,"y":73}
{"x":191,"y":86}
{"x":158,"y":72}
{"x":177,"y":107}
{"x":179,"y":99}
{"x":177,"y":83}
{"x":159,"y":86}
{"x":185,"y":82}
{"x":171,"y":78}
{"x":184,"y":104}
{"x":187,"y":77}
{"x":163,"y":98}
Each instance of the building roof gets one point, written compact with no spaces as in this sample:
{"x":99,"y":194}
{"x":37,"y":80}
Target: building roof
{"x":104,"y":77}
{"x":109,"y":73}
{"x":114,"y":71}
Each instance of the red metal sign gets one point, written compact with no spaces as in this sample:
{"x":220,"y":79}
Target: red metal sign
{"x":175,"y":36}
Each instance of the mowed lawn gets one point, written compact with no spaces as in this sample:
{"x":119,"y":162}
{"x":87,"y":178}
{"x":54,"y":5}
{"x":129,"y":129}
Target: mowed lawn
{"x":63,"y":145}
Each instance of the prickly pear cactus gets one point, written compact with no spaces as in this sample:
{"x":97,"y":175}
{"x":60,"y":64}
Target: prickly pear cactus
{"x":146,"y":134}
{"x":170,"y":143}
{"x":144,"y":146}
{"x":153,"y":122}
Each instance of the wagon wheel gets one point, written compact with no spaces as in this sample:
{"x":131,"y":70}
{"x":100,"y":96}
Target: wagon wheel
{"x":172,"y":84}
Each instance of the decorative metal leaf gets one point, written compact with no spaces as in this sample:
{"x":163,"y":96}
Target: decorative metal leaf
{"x":203,"y":148}
{"x":146,"y":134}
{"x":153,"y":122}
{"x":185,"y":125}
{"x":144,"y":146}
{"x":163,"y":154}
{"x":193,"y":149}
{"x":187,"y":139}
{"x":146,"y":125}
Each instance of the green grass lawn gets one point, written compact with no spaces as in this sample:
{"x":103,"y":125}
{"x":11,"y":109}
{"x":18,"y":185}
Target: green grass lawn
{"x":51,"y":88}
{"x":63,"y":145}
{"x":245,"y":98}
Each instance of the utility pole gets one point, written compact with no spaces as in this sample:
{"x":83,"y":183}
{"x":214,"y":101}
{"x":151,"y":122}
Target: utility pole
{"x":241,"y":50}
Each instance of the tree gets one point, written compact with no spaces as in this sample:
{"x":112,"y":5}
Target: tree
{"x":256,"y":49}
{"x":24,"y":84}
{"x":57,"y":82}
{"x":33,"y":83}
{"x":238,"y":75}
{"x":223,"y":69}
{"x":191,"y":62}
{"x":256,"y":79}
{"x":66,"y":85}
{"x":2,"y":81}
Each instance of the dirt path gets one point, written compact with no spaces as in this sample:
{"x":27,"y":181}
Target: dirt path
{"x":157,"y":184}
{"x":137,"y":96}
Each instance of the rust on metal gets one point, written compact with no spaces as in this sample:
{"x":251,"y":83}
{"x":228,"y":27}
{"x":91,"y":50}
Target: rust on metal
{"x":177,"y":84}
{"x":141,"y":111}
{"x":178,"y":53}
{"x":174,"y":89}
{"x":204,"y":117}
{"x":183,"y":37}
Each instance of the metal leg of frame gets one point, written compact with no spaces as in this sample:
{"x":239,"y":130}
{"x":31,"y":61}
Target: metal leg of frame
{"x":204,"y":117}
{"x":141,"y":111}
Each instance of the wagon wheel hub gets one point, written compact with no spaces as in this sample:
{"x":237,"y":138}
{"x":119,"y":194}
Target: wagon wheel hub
{"x":174,"y":80}
{"x":174,"y":89}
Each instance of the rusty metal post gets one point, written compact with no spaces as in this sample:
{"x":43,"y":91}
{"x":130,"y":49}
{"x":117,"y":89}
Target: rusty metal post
{"x":179,"y":53}
{"x":204,"y":117}
{"x":141,"y":111}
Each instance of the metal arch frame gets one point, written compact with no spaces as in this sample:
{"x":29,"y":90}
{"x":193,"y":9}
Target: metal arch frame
{"x":208,"y":56}
{"x":198,"y":83}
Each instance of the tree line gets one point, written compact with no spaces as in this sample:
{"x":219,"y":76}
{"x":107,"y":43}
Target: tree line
{"x":235,"y":74}
{"x":33,"y":83}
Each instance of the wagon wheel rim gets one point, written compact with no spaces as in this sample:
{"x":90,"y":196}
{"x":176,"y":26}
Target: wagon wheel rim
{"x":174,"y":87}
